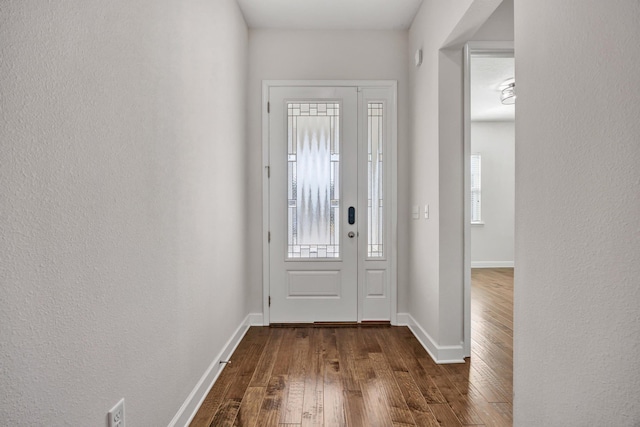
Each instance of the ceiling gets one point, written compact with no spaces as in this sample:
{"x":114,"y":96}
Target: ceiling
{"x":330,"y":14}
{"x":487,"y":73}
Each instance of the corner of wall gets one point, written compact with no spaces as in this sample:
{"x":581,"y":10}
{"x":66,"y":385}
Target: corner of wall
{"x":439,"y":353}
{"x":440,"y":30}
{"x":256,"y":319}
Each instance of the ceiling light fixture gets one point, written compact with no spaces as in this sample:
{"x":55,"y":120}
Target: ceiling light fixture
{"x":508,"y":91}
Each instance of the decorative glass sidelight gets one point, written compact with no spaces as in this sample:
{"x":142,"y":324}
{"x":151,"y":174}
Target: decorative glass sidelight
{"x":313,"y":180}
{"x":375,"y":211}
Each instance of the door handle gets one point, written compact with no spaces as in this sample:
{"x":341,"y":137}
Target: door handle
{"x":351,"y":234}
{"x":352,"y":215}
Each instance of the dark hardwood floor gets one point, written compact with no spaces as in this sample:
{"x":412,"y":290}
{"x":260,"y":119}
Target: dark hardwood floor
{"x":370,"y":375}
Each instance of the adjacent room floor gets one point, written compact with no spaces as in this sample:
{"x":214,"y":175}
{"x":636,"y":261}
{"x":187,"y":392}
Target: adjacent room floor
{"x":370,"y":375}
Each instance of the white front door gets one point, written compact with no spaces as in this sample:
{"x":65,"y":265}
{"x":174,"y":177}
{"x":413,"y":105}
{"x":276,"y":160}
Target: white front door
{"x":327,"y":221}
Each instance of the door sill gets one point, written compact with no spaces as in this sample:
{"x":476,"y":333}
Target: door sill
{"x":332,"y":324}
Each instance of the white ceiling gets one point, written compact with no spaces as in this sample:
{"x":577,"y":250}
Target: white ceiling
{"x":330,"y":14}
{"x":486,"y":76}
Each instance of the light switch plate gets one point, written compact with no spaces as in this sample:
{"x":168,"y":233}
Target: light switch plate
{"x":418,"y":57}
{"x":416,"y":212}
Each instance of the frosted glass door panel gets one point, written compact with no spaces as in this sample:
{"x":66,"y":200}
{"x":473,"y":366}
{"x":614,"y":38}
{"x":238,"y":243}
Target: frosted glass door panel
{"x":313,"y":180}
{"x":375,"y":208}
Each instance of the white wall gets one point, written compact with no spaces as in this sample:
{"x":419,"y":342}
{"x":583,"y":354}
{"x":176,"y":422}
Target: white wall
{"x":324,"y":55}
{"x":577,"y":293}
{"x":492,"y":242}
{"x":122,"y":188}
{"x":499,"y":26}
{"x":428,"y":31}
{"x":436,"y":168}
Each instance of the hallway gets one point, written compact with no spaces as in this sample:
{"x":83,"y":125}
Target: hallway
{"x":133,"y":251}
{"x":368,"y":376}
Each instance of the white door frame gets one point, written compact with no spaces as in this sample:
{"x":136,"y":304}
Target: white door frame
{"x":393,"y":172}
{"x":473,"y":48}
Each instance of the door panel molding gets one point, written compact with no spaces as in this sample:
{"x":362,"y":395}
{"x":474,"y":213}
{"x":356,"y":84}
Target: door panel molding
{"x":302,"y":283}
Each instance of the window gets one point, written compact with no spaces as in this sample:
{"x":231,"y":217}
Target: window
{"x":476,"y":189}
{"x":375,"y":212}
{"x":313,"y":180}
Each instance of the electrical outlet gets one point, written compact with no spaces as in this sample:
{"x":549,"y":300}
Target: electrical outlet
{"x":116,"y":415}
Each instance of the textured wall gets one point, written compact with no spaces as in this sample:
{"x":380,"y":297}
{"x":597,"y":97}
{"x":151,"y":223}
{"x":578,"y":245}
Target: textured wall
{"x":493,"y":241}
{"x":325,"y":55}
{"x":577,"y":286}
{"x":122,"y":156}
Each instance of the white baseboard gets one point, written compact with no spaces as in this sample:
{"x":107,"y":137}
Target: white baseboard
{"x":492,"y":264}
{"x":403,"y":319}
{"x":256,"y":319}
{"x":191,"y":405}
{"x":441,"y":354}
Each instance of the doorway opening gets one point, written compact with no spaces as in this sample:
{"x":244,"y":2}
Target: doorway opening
{"x":489,"y":156}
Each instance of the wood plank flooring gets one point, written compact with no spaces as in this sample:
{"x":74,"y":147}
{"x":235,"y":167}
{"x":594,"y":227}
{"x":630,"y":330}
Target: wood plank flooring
{"x":370,"y":375}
